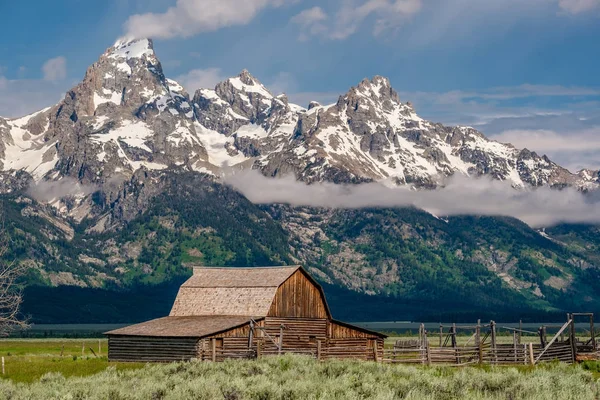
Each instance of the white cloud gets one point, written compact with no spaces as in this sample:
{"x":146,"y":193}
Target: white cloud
{"x":551,"y":141}
{"x":480,"y":108}
{"x":190,"y":17}
{"x":55,"y":69}
{"x":578,"y":6}
{"x":460,"y":196}
{"x":200,"y":79}
{"x":573,"y":150}
{"x":444,"y":18}
{"x":388,"y":14}
{"x":311,"y":22}
{"x":48,"y":191}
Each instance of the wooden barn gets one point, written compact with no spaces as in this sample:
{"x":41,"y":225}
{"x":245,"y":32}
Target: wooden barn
{"x":224,"y":313}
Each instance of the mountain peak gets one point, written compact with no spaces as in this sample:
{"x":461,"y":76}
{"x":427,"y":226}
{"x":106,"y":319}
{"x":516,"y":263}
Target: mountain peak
{"x":246,"y":77}
{"x":247,"y":83}
{"x":378,"y":85}
{"x":131,"y":48}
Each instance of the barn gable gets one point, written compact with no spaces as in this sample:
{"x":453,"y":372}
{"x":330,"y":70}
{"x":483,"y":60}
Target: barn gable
{"x":299,"y":296}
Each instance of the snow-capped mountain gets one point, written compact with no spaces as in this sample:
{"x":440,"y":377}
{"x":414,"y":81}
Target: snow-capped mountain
{"x":126,"y":116}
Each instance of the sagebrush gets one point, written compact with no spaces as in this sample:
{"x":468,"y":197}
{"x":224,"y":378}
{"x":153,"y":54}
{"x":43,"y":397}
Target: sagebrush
{"x":295,"y":377}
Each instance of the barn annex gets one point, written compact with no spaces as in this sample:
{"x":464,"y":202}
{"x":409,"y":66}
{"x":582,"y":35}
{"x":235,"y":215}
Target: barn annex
{"x":224,"y":313}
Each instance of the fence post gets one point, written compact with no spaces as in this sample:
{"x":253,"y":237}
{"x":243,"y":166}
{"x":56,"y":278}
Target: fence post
{"x":531,"y":361}
{"x":454,"y":344}
{"x":214,"y":349}
{"x":573,"y":338}
{"x":428,"y":354}
{"x":592,"y":333}
{"x":454,"y":335}
{"x":520,"y":329}
{"x":515,"y":345}
{"x":441,"y":333}
{"x":478,"y":332}
{"x":544,"y":336}
{"x":375,"y":355}
{"x":258,"y":348}
{"x":525,"y":351}
{"x":493,"y":326}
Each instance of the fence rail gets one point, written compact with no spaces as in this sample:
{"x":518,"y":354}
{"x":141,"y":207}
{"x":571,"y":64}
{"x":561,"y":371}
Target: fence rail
{"x":482,"y":347}
{"x":504,"y":354}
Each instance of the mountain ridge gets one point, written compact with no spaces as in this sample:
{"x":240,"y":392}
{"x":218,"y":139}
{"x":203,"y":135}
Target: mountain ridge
{"x":126,"y":115}
{"x":120,"y":184}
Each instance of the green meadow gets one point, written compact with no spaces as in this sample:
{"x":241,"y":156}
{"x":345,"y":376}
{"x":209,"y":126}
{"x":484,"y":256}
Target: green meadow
{"x":35,"y":369}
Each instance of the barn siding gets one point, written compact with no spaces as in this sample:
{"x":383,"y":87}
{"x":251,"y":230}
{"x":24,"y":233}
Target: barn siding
{"x":300,"y":335}
{"x":152,"y":349}
{"x":298,"y":297}
{"x":242,"y":331}
{"x":336,"y":330}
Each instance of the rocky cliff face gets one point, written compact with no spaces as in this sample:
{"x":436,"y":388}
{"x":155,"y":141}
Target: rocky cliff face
{"x":370,"y":135}
{"x":126,"y":117}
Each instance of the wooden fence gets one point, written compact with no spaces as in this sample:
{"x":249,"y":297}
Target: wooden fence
{"x":503,"y":354}
{"x":480,"y":348}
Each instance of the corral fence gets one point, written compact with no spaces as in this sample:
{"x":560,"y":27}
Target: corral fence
{"x":478,"y":344}
{"x":483,"y":347}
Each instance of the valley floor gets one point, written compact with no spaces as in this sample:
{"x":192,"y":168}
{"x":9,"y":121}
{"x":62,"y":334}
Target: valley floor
{"x":35,"y":369}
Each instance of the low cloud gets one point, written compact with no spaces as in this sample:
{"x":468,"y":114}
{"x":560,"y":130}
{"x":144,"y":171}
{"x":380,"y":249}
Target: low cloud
{"x":48,"y":191}
{"x":461,"y":196}
{"x":200,"y":79}
{"x":190,"y":17}
{"x":55,"y":69}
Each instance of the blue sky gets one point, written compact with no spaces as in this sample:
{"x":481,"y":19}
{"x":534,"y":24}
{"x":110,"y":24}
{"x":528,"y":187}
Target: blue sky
{"x":521,"y":71}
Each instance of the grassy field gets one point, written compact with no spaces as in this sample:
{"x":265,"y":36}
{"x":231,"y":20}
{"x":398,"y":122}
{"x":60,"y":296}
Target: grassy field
{"x":35,"y":369}
{"x":295,"y":377}
{"x":28,"y":360}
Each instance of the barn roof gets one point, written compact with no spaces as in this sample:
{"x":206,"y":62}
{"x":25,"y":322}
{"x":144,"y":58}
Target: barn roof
{"x":233,"y":291}
{"x":183,"y":326}
{"x":236,"y":277}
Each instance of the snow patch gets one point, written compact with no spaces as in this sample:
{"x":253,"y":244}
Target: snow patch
{"x":254,"y":88}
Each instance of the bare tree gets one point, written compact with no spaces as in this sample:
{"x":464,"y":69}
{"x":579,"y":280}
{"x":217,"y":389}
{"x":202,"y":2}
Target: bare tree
{"x":11,"y":294}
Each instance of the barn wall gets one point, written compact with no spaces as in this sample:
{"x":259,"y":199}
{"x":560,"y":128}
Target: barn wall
{"x":298,"y":297}
{"x":154,"y":349}
{"x":336,"y":330}
{"x":242,"y":331}
{"x":299,"y":334}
